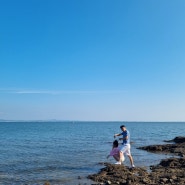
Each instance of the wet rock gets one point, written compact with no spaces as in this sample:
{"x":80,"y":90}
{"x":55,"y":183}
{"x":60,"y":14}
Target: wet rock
{"x":169,"y":171}
{"x":177,"y":148}
{"x":179,"y":139}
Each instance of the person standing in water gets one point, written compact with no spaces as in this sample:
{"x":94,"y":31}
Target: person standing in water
{"x":125,"y":148}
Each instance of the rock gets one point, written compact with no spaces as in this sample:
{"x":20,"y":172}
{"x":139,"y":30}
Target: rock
{"x":177,"y":148}
{"x":173,"y":177}
{"x":169,"y":171}
{"x":108,"y":183}
{"x":145,"y":180}
{"x":179,"y":139}
{"x":164,"y":180}
{"x":123,"y":181}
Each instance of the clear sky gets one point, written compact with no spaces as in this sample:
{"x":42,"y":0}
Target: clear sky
{"x":92,"y":60}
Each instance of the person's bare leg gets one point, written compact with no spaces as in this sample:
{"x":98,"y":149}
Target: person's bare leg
{"x":119,"y":158}
{"x":131,"y":160}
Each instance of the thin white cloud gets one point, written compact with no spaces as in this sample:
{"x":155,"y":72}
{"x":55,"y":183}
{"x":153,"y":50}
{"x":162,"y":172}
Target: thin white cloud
{"x":13,"y":91}
{"x":67,"y":92}
{"x":35,"y":92}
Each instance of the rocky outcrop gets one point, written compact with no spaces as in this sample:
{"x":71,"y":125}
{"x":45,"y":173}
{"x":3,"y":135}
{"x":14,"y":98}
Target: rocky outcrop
{"x":119,"y":174}
{"x":169,"y":171}
{"x":179,"y":139}
{"x":177,"y":148}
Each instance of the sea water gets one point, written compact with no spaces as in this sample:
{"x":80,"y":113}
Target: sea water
{"x":67,"y":152}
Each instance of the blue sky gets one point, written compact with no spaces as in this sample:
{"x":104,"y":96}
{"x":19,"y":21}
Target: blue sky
{"x":92,"y":60}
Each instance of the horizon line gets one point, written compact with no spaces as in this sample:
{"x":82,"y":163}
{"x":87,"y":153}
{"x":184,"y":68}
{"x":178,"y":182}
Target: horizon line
{"x":57,"y":120}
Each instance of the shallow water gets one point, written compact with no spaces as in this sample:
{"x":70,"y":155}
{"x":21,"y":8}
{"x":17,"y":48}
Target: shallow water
{"x":61,"y":152}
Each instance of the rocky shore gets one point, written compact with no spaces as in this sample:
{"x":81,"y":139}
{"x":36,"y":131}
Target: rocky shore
{"x":169,"y":171}
{"x":177,"y":147}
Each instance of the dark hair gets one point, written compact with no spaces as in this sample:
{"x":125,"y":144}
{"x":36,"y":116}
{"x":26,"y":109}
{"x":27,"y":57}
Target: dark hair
{"x":122,"y":126}
{"x":115,"y":143}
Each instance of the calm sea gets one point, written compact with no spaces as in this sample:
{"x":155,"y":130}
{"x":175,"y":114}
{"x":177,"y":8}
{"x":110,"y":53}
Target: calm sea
{"x":67,"y":152}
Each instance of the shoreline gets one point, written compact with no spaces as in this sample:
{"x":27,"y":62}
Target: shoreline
{"x":169,"y":171}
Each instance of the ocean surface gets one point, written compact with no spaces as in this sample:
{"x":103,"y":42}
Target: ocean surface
{"x":66,"y":153}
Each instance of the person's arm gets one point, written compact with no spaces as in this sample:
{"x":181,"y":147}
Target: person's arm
{"x":117,"y":135}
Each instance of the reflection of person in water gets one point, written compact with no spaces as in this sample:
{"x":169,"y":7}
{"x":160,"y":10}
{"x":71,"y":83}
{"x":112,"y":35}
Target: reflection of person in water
{"x":115,"y":152}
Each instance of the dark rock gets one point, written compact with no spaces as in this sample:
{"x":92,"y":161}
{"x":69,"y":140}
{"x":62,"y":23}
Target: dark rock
{"x":179,"y":139}
{"x":175,"y":148}
{"x":169,"y":171}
